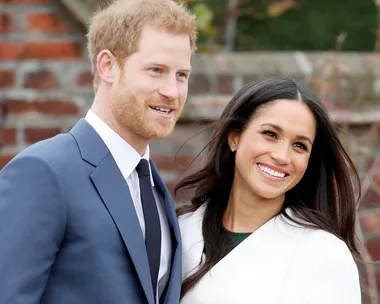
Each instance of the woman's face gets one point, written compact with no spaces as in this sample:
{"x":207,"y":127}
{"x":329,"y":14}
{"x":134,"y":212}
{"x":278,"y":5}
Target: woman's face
{"x":273,"y":151}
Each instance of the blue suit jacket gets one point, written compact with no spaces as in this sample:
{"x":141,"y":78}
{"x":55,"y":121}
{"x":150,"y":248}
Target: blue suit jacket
{"x":69,"y":232}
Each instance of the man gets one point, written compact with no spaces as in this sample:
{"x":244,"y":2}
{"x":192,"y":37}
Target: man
{"x":84,"y":216}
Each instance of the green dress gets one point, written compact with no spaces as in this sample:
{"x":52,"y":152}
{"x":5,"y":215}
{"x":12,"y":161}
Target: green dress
{"x":238,"y":237}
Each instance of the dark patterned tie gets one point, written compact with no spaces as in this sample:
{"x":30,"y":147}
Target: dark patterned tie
{"x":152,"y":222}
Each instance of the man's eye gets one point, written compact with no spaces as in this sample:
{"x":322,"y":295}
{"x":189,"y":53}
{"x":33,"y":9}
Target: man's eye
{"x":181,"y":75}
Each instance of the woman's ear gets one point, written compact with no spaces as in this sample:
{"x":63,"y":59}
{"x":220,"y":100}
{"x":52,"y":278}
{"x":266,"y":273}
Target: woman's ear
{"x":233,"y":140}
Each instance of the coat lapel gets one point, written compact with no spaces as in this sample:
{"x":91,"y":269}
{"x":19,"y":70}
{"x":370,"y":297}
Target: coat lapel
{"x":115,"y":194}
{"x":256,"y":269}
{"x":259,"y":264}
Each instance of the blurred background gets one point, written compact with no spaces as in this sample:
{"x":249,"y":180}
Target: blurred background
{"x":332,"y":46}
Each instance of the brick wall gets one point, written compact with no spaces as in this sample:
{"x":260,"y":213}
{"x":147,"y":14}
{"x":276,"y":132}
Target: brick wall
{"x":44,"y":72}
{"x":46,"y":81}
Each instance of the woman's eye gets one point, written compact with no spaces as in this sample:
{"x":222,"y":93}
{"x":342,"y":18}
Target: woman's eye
{"x":301,"y":146}
{"x":270,"y":134}
{"x":156,"y":70}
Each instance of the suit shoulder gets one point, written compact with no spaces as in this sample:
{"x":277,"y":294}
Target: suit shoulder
{"x":52,"y":150}
{"x":50,"y":145}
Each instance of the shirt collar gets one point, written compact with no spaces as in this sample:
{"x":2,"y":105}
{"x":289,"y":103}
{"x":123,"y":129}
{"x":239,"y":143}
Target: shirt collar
{"x":125,"y":156}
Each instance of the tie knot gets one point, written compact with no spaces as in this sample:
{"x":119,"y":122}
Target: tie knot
{"x":143,"y":168}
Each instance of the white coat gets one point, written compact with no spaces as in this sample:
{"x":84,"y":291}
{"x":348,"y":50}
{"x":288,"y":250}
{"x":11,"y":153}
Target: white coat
{"x":280,"y":263}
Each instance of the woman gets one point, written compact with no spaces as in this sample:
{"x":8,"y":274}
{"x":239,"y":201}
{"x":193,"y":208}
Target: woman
{"x":272,"y":218}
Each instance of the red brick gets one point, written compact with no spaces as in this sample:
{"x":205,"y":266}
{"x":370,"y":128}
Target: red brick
{"x":33,"y":135}
{"x":4,"y":159}
{"x":172,"y":163}
{"x":200,"y":84}
{"x":23,"y":1}
{"x":366,"y":299}
{"x":42,"y":80}
{"x":183,"y":195}
{"x":7,"y":79}
{"x":84,"y":79}
{"x":170,"y":186}
{"x":176,"y":164}
{"x":226,"y":84}
{"x":373,"y":247}
{"x":371,"y":222}
{"x":46,"y":23}
{"x":2,"y":102}
{"x":372,"y":196}
{"x":6,"y":24}
{"x":8,"y":136}
{"x":364,"y":277}
{"x":56,"y":107}
{"x":46,"y":107}
{"x":40,"y":50}
{"x":376,"y":179}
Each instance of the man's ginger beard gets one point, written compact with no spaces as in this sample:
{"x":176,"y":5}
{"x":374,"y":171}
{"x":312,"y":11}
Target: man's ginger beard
{"x":130,"y":114}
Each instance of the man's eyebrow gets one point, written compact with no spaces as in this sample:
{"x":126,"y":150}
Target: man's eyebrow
{"x":279,"y":129}
{"x":186,"y":69}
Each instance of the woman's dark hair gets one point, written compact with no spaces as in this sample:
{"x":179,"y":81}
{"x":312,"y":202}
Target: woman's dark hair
{"x":326,"y":197}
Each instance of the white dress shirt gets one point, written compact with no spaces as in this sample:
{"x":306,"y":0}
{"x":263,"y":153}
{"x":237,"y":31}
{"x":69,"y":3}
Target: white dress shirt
{"x":127,"y":158}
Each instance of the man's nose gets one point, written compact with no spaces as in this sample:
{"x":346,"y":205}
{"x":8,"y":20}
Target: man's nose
{"x":169,"y":89}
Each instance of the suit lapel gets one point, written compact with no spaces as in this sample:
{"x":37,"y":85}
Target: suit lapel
{"x":115,"y":194}
{"x":175,"y":273}
{"x":169,"y":204}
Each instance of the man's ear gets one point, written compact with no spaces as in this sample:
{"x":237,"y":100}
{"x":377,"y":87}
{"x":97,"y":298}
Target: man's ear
{"x":106,"y":65}
{"x":233,"y":140}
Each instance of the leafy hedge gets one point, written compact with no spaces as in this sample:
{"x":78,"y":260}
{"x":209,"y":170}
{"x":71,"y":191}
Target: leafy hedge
{"x":313,"y":26}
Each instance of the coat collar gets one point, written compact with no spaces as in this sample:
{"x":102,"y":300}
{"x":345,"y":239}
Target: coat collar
{"x":193,"y":242}
{"x":261,"y":260}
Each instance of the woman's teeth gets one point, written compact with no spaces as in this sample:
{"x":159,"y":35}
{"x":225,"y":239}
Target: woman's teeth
{"x":271,"y":172}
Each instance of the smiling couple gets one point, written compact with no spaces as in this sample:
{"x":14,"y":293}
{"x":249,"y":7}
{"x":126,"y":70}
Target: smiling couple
{"x":86,"y":218}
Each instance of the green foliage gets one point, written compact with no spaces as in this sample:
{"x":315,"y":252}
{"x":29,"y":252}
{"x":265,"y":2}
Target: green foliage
{"x":204,"y":16}
{"x":312,"y":25}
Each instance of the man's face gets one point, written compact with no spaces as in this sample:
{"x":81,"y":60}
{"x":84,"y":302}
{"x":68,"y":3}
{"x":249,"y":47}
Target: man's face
{"x":151,"y":91}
